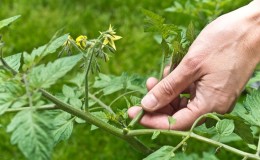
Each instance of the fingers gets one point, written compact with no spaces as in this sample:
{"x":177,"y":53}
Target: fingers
{"x":169,"y":88}
{"x":150,"y":83}
{"x":185,"y":117}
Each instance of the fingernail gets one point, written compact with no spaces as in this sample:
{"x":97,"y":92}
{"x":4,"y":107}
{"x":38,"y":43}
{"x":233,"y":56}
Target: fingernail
{"x":149,"y":101}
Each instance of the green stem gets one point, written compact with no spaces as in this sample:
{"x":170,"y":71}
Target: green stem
{"x":207,"y":115}
{"x":162,"y":67}
{"x":258,"y":147}
{"x":181,"y":143}
{"x":194,"y":136}
{"x":122,"y":95}
{"x":136,"y":119}
{"x":88,"y":64}
{"x":5,"y":64}
{"x":96,"y":121}
{"x":103,"y":105}
{"x":245,"y":158}
{"x":92,"y":109}
{"x":44,"y":107}
{"x":28,"y":93}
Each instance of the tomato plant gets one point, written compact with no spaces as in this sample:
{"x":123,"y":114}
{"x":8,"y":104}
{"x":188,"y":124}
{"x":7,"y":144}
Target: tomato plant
{"x":50,"y":98}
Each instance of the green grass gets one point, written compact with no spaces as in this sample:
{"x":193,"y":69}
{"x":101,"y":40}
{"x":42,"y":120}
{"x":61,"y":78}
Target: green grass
{"x":137,"y":52}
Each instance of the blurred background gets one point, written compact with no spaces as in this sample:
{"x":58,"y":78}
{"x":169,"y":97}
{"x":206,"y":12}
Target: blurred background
{"x":137,"y":52}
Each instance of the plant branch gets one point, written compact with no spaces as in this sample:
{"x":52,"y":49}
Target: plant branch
{"x":96,"y":121}
{"x":28,"y":93}
{"x":202,"y":117}
{"x":122,"y":95}
{"x":258,"y":147}
{"x":162,"y":66}
{"x":136,"y":119}
{"x":181,"y":143}
{"x":44,"y":107}
{"x":88,"y":64}
{"x":5,"y":64}
{"x":195,"y":136}
{"x":102,"y":104}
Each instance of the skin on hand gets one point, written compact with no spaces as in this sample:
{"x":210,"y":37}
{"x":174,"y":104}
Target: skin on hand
{"x":214,"y":71}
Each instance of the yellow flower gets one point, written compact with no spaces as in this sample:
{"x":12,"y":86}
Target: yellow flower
{"x":81,"y":41}
{"x":110,"y":37}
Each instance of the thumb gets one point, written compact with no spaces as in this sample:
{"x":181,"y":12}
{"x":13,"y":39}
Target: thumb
{"x":171,"y":86}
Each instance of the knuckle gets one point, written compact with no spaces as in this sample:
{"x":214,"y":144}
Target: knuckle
{"x":191,"y":64}
{"x":167,"y":88}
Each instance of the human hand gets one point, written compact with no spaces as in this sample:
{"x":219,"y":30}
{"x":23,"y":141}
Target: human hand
{"x":214,"y":71}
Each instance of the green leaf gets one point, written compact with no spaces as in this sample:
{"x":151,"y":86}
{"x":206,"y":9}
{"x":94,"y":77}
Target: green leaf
{"x":155,"y":135}
{"x":254,"y":79}
{"x":190,"y":33}
{"x":68,"y":91}
{"x":135,"y":101}
{"x":63,"y":127}
{"x":54,"y":44}
{"x":74,"y":101}
{"x":165,"y":48}
{"x":14,"y":61}
{"x":11,"y":96}
{"x":164,"y":153}
{"x":8,"y":21}
{"x":249,"y":111}
{"x":242,"y":129}
{"x":209,"y":156}
{"x":39,"y":53}
{"x":32,"y":134}
{"x":225,"y":127}
{"x":111,"y":84}
{"x":44,"y":76}
{"x":101,"y":115}
{"x":155,"y":23}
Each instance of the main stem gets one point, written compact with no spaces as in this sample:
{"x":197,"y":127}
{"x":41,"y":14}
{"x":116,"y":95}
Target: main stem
{"x":97,"y":122}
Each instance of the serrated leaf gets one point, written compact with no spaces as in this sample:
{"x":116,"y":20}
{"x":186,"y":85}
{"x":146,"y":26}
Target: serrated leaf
{"x":68,"y":91}
{"x":8,"y":21}
{"x":249,"y":111}
{"x":54,"y":44}
{"x":135,"y":100}
{"x":63,"y":127}
{"x":155,"y":23}
{"x":164,"y":153}
{"x":190,"y":33}
{"x":11,"y":96}
{"x":111,"y":84}
{"x":31,"y":132}
{"x":74,"y":101}
{"x":101,"y":115}
{"x":225,"y":127}
{"x":44,"y":76}
{"x":155,"y":135}
{"x":242,"y":129}
{"x":14,"y":61}
{"x":165,"y":48}
{"x":42,"y":51}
